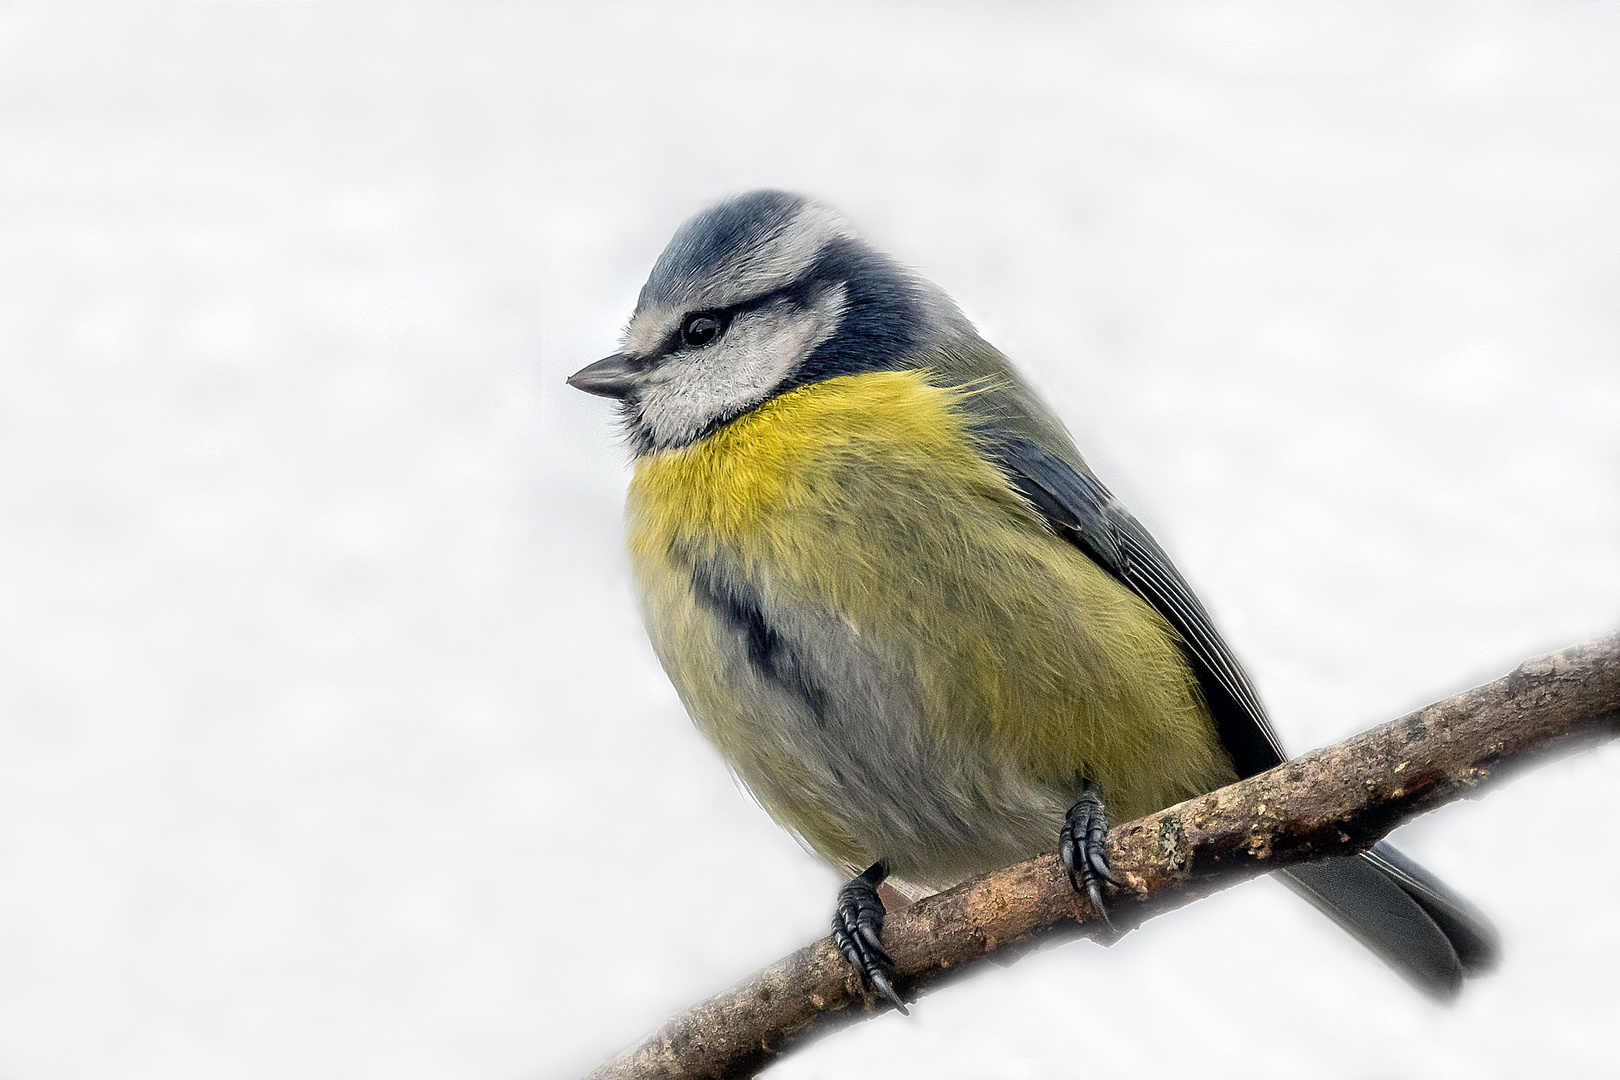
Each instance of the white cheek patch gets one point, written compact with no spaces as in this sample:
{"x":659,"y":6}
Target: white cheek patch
{"x":692,"y":390}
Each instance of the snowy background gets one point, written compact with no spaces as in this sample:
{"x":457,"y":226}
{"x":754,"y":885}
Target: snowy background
{"x":330,"y":744}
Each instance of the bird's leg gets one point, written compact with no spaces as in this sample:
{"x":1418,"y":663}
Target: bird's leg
{"x":1080,"y":844}
{"x":857,"y":930}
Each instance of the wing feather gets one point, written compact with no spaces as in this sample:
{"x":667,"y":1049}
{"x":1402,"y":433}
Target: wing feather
{"x":1080,"y":508}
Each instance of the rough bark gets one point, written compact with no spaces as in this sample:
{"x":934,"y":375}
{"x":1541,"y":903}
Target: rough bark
{"x":1335,"y":801}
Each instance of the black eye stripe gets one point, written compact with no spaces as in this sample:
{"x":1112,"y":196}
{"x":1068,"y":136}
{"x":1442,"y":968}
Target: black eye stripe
{"x":800,"y":290}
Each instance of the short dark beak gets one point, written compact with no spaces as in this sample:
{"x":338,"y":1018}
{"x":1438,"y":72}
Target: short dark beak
{"x":612,"y":377}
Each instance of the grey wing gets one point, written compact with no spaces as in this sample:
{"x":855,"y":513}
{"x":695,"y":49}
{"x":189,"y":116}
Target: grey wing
{"x":1037,"y":456}
{"x":1080,"y":508}
{"x":1422,"y":929}
{"x":1402,"y":912}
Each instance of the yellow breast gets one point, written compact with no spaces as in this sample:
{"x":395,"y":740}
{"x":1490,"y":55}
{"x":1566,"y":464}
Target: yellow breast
{"x":747,"y":482}
{"x":865,"y":500}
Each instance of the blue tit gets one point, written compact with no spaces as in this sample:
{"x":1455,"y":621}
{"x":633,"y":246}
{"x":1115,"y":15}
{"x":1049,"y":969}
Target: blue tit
{"x":890,"y":591}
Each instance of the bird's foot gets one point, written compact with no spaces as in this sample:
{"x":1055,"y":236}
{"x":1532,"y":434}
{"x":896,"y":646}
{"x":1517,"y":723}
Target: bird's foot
{"x":1081,"y":846}
{"x":857,"y":930}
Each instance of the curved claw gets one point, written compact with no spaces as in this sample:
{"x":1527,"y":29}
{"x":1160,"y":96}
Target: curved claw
{"x":857,"y":930}
{"x":1081,"y":846}
{"x":1099,"y":863}
{"x":886,"y":988}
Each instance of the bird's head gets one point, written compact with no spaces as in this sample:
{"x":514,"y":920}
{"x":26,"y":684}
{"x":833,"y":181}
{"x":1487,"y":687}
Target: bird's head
{"x":755,"y":296}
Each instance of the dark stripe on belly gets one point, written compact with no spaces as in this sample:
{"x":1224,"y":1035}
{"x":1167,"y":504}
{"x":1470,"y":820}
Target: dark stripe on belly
{"x":770,"y":653}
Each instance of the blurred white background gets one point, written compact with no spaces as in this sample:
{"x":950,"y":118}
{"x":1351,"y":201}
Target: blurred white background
{"x":330,"y":744}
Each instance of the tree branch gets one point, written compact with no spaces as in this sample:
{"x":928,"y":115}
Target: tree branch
{"x":1335,"y":801}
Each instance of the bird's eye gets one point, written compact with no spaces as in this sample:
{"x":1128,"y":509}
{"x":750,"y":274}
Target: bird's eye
{"x":700,"y":329}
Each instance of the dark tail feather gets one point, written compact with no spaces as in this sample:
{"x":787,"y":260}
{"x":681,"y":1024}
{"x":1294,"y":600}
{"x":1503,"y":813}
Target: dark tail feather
{"x":1470,"y":933}
{"x":1400,"y":911}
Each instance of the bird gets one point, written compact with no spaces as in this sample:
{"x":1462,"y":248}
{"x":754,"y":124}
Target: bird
{"x":890,"y":591}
